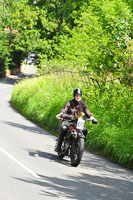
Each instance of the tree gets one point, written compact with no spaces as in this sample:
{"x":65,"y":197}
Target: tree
{"x":100,"y":40}
{"x":88,"y":34}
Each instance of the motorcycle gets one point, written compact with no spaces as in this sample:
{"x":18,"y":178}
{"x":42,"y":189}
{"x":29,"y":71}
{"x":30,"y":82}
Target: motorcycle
{"x":73,"y":142}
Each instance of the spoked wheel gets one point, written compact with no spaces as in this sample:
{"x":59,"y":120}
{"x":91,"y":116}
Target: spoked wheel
{"x":77,"y":149}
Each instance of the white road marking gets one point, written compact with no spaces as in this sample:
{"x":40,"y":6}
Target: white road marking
{"x":19,"y":163}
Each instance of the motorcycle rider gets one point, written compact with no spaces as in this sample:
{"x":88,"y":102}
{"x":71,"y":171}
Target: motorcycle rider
{"x":73,"y":107}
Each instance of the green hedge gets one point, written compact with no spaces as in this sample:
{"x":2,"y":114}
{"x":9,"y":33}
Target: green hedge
{"x":40,"y":99}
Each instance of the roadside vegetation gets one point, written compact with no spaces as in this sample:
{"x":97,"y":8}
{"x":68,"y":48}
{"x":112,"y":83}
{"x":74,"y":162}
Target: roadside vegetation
{"x":40,"y":99}
{"x":82,"y":35}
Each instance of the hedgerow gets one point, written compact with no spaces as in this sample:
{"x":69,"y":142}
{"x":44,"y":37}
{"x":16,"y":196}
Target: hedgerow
{"x":40,"y":99}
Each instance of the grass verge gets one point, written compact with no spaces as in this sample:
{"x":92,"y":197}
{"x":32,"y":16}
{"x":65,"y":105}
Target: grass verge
{"x":40,"y":99}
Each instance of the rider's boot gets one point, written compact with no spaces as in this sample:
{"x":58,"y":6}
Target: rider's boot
{"x":59,"y":143}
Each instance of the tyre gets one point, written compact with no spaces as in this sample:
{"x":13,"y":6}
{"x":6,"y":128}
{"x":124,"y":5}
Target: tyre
{"x":77,"y":149}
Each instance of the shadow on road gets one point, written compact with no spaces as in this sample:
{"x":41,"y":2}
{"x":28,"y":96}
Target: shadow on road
{"x":97,"y":180}
{"x":89,"y":161}
{"x":32,"y":129}
{"x":49,"y":156}
{"x":13,"y":79}
{"x":83,"y":186}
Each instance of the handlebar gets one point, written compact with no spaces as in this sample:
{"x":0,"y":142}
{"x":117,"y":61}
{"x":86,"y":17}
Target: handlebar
{"x":66,"y":116}
{"x":71,"y":117}
{"x":92,"y":120}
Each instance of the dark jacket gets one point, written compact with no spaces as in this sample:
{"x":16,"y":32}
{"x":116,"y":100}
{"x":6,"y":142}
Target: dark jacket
{"x":73,"y":107}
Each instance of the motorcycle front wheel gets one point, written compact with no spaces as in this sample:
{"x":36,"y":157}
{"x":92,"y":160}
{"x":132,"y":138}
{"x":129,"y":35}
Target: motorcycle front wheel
{"x":76,"y":153}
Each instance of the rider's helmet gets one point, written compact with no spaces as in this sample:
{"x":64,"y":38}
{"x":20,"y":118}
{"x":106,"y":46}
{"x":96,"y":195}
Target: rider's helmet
{"x":77,"y":91}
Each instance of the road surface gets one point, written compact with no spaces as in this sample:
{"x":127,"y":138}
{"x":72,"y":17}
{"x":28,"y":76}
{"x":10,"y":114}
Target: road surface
{"x":31,"y":170}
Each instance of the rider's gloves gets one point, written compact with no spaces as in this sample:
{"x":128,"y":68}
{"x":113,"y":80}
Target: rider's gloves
{"x":64,"y":115}
{"x":59,"y":116}
{"x":93,"y":120}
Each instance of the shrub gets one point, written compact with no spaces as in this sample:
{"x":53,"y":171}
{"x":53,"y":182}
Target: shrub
{"x":40,"y":99}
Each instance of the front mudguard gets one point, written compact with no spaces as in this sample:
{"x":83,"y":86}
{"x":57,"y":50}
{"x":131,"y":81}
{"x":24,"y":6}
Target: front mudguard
{"x":81,"y":135}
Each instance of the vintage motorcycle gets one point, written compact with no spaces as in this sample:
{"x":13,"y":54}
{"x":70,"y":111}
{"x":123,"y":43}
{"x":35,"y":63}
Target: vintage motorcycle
{"x":73,"y":142}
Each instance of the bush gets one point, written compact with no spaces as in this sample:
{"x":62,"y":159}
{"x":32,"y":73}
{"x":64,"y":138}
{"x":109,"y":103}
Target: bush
{"x":40,"y":99}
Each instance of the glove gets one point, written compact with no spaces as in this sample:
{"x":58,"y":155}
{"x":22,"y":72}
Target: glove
{"x":59,"y":116}
{"x":64,"y":115}
{"x":93,"y":120}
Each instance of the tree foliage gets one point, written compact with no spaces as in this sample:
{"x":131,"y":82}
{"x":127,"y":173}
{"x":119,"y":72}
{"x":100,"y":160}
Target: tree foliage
{"x":88,"y":35}
{"x":5,"y":53}
{"x":101,"y":39}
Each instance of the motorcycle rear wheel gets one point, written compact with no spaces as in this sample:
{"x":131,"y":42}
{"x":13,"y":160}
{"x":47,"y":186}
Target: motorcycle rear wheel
{"x":77,"y":149}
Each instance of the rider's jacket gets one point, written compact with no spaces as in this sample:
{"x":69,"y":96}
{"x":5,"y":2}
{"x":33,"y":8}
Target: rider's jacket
{"x":73,"y":107}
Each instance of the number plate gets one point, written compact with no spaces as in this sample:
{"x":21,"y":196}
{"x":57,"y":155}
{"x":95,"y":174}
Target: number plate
{"x":80,"y":124}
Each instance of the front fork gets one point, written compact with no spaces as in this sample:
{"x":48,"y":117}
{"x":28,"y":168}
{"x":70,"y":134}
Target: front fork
{"x":77,"y":134}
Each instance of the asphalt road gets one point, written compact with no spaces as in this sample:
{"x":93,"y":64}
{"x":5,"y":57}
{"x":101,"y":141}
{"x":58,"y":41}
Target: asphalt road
{"x":31,"y":170}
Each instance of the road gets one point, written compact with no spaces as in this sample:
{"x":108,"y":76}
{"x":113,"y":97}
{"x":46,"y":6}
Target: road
{"x":31,"y":170}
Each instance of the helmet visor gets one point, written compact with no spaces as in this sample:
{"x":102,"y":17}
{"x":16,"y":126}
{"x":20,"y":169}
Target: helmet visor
{"x":78,"y":95}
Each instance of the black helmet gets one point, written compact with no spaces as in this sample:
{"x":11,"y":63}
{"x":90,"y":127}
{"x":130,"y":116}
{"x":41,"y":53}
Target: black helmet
{"x":77,"y":91}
